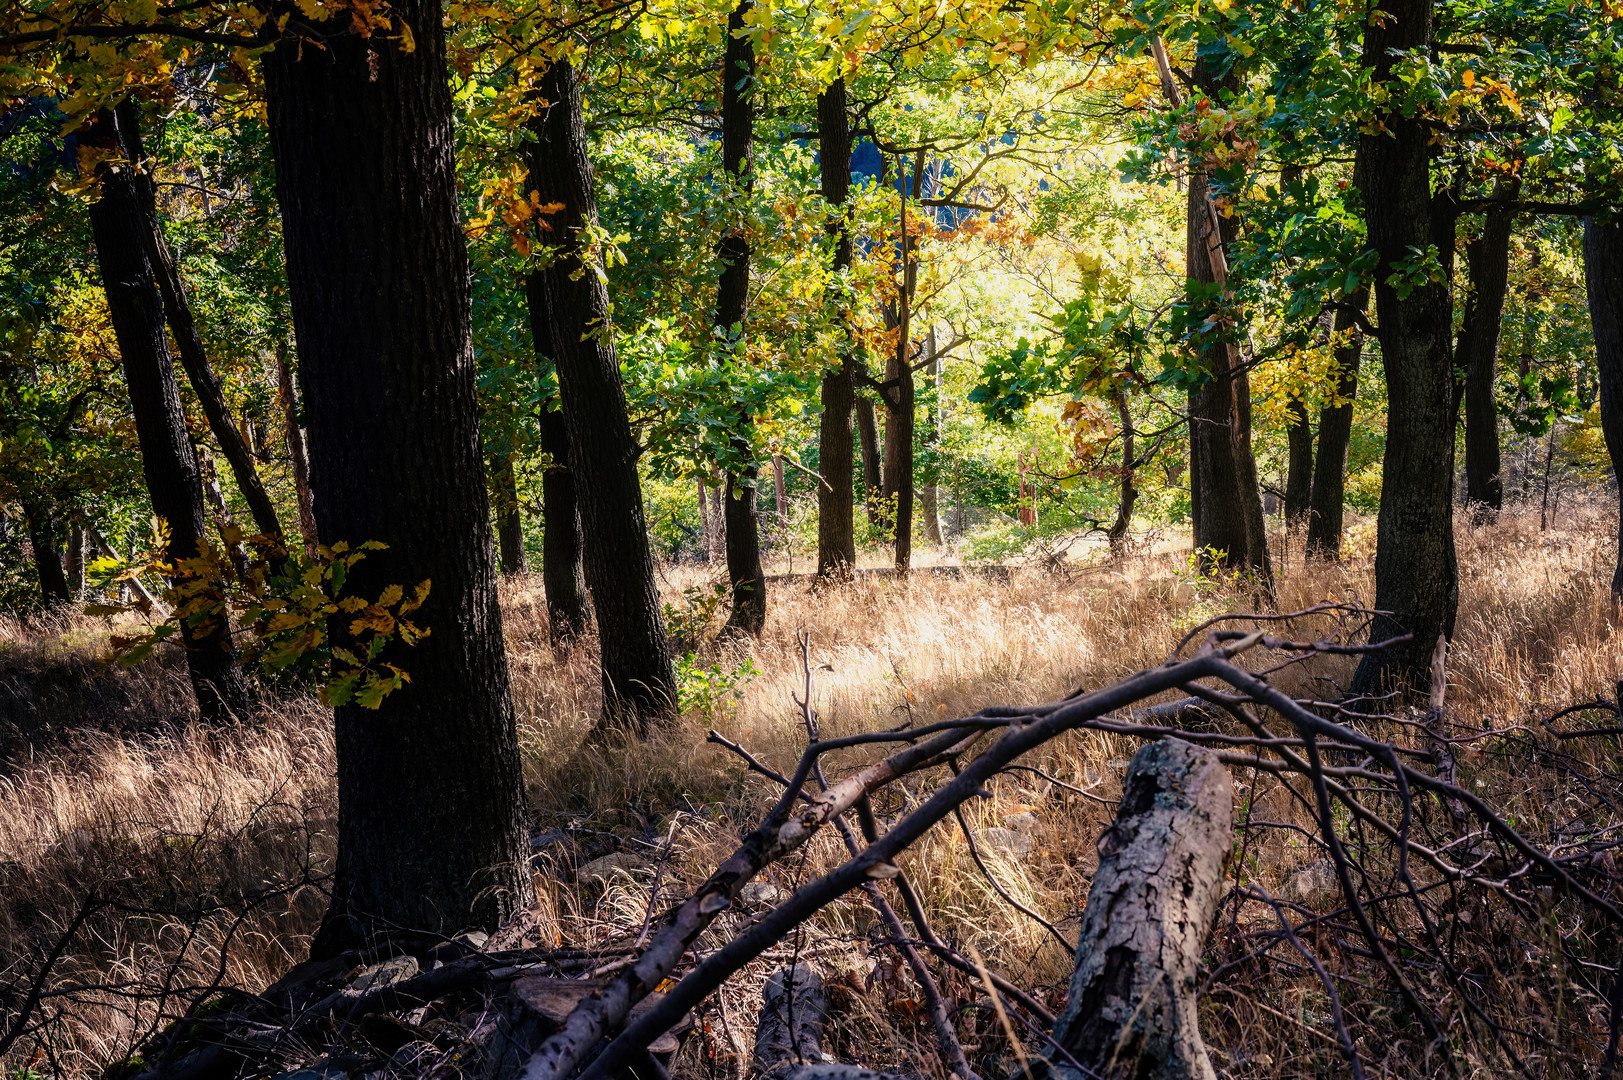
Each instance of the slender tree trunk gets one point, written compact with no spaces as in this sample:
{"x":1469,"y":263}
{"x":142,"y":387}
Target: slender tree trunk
{"x":429,"y":784}
{"x":53,"y":584}
{"x":929,"y":498}
{"x":1225,"y":494}
{"x":137,"y":590}
{"x":295,"y":451}
{"x":836,"y":511}
{"x":75,"y":561}
{"x":1299,"y":471}
{"x":780,"y":491}
{"x":1416,"y":576}
{"x":1117,"y":534}
{"x":873,"y":482}
{"x":177,"y":310}
{"x":1487,"y":259}
{"x":732,"y":308}
{"x":563,"y":567}
{"x":167,"y":461}
{"x":1327,"y":503}
{"x":1603,"y":271}
{"x":706,"y":534}
{"x":638,"y":683}
{"x":509,"y":521}
{"x":901,"y":393}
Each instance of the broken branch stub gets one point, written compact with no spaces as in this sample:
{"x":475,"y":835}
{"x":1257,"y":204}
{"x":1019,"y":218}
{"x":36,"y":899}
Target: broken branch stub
{"x":789,"y":1031}
{"x":1131,"y":1009}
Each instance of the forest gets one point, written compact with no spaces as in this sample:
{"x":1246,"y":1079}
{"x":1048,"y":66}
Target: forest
{"x":799,"y":540}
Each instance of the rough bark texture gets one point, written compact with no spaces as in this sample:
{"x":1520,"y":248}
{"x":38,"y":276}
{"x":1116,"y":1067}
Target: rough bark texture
{"x":744,"y":570}
{"x":295,"y":451}
{"x":1416,"y":576}
{"x":1487,"y":260}
{"x":901,"y":394}
{"x":429,"y":783}
{"x":174,"y":484}
{"x":53,"y":583}
{"x":1131,"y":1009}
{"x":509,"y":522}
{"x":177,"y":309}
{"x":1224,"y":493}
{"x":836,"y":501}
{"x":873,"y":481}
{"x":1327,"y":502}
{"x":74,"y":559}
{"x":1299,"y":466}
{"x":929,"y":494}
{"x":789,"y":1031}
{"x":638,"y":684}
{"x":1603,"y":270}
{"x":563,"y":568}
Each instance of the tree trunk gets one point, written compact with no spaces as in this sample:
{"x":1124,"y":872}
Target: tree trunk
{"x":1131,"y":1009}
{"x":1327,"y":502}
{"x":732,"y":308}
{"x":836,"y":511}
{"x":167,"y":461}
{"x":873,"y":482}
{"x":638,"y":683}
{"x":929,"y":494}
{"x":177,"y":310}
{"x":1299,"y":472}
{"x":1487,"y":259}
{"x":789,"y":1030}
{"x":780,"y":492}
{"x":1603,"y":271}
{"x":1117,"y":534}
{"x":429,"y":783}
{"x":706,"y":532}
{"x":1416,"y":576}
{"x":1224,"y":493}
{"x":509,"y":522}
{"x":53,"y":584}
{"x":75,"y":561}
{"x":295,"y":451}
{"x":137,"y":590}
{"x":900,"y":394}
{"x":563,"y":568}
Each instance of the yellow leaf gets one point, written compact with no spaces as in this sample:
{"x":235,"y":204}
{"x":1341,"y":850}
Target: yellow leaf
{"x":1468,"y":78}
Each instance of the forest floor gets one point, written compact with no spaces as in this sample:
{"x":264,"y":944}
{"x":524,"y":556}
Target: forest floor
{"x":187,"y":853}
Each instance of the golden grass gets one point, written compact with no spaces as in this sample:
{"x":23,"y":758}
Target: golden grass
{"x":175,"y":819}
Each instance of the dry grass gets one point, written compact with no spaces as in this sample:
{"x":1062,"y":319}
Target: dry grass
{"x":104,"y":797}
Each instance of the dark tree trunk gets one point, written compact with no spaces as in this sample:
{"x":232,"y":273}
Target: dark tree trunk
{"x":1416,"y":576}
{"x":732,"y":308}
{"x":53,"y":584}
{"x":177,"y":310}
{"x":429,"y":783}
{"x":295,"y":451}
{"x":174,"y":484}
{"x":1487,"y":259}
{"x":900,"y":393}
{"x":836,"y":502}
{"x":1603,"y":270}
{"x":74,"y":560}
{"x":509,"y":522}
{"x":1299,"y":469}
{"x":1327,"y":503}
{"x":929,"y":495}
{"x":873,"y":483}
{"x":638,"y":683}
{"x":1117,"y":534}
{"x":1224,"y":493}
{"x":563,"y":569}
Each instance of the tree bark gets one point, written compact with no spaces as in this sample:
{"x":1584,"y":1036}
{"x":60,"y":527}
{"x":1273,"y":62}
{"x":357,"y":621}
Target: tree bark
{"x":873,"y":483}
{"x":1416,"y":575}
{"x":295,"y":451}
{"x":638,"y":683}
{"x":563,"y":567}
{"x":1131,"y":1008}
{"x":1224,"y":492}
{"x":53,"y":583}
{"x":509,"y":521}
{"x":429,"y":783}
{"x":1117,"y":534}
{"x":836,"y":510}
{"x":929,"y":494}
{"x":75,"y":559}
{"x":177,"y":310}
{"x":1299,"y":470}
{"x":1327,"y":502}
{"x":1603,"y":273}
{"x":167,"y":461}
{"x":789,"y":1030}
{"x":744,"y":570}
{"x":1487,"y":259}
